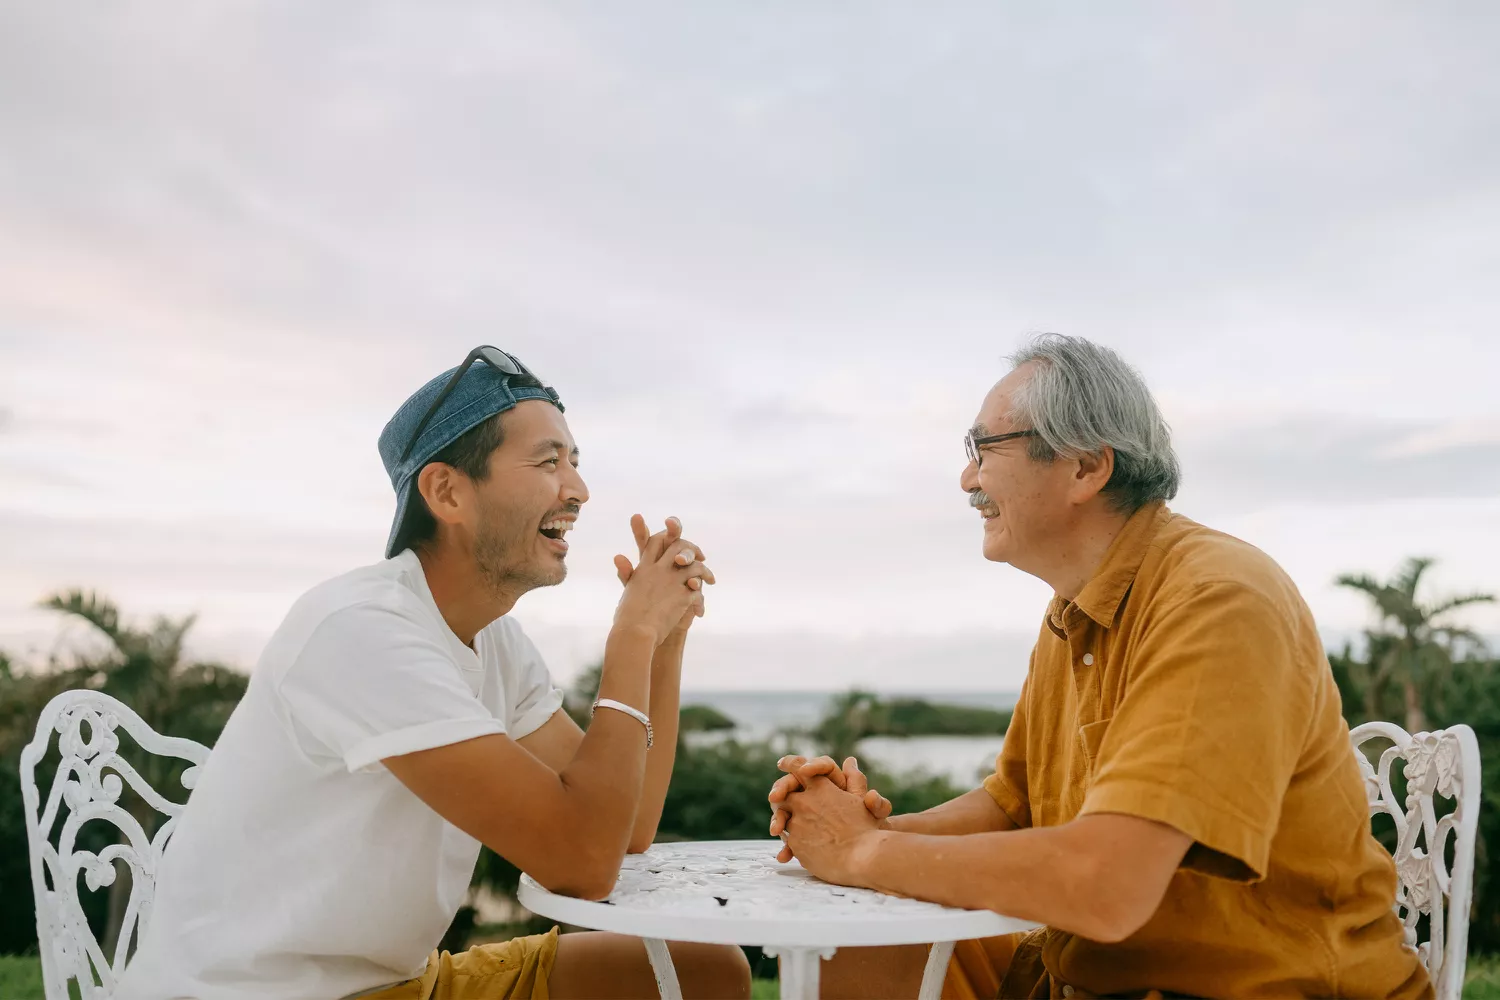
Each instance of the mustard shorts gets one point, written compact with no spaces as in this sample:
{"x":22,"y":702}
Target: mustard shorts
{"x":509,"y":970}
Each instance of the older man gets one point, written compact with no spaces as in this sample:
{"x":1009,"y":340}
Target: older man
{"x":1176,"y":800}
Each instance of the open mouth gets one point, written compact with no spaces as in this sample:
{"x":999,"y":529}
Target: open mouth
{"x":980,"y":501}
{"x":557,"y":528}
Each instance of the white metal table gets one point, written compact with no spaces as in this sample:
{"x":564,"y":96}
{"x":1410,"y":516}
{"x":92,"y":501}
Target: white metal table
{"x":735,"y":892}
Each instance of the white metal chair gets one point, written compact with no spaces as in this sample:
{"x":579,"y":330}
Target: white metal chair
{"x":1446,"y":763}
{"x":67,"y":945}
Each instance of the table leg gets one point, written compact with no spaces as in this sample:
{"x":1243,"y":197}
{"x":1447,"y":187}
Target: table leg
{"x":661,"y":965}
{"x":936,"y":971}
{"x":799,"y":969}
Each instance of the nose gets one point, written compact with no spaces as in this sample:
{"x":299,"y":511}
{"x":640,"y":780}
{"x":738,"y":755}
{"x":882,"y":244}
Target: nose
{"x":574,"y":489}
{"x":969,"y":480}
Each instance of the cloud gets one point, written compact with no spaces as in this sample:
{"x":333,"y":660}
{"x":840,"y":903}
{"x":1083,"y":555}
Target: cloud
{"x":772,"y":258}
{"x":25,"y":476}
{"x":1334,"y":460}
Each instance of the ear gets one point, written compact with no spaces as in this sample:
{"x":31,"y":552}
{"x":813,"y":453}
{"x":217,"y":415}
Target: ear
{"x":1091,"y":475}
{"x":446,"y":491}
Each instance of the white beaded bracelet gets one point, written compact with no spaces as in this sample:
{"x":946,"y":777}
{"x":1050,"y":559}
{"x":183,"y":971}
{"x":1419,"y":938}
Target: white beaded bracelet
{"x":634,"y":713}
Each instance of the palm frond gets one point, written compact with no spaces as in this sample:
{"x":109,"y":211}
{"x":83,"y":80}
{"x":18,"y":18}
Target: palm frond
{"x":1456,"y":637}
{"x":1389,"y":601}
{"x":99,"y":612}
{"x":1461,"y":601}
{"x":166,"y":637}
{"x":1360,"y":581}
{"x":1410,"y":574}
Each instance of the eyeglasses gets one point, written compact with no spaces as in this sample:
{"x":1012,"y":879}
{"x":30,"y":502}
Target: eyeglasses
{"x":972,"y":444}
{"x":505,"y":364}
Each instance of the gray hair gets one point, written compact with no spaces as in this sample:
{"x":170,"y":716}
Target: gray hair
{"x":1082,"y":398}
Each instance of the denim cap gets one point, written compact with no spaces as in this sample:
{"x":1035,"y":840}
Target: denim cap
{"x":479,"y":395}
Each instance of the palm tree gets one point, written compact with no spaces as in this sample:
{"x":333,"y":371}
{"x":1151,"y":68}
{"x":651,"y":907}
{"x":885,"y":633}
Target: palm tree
{"x":144,"y":668}
{"x":1410,"y":647}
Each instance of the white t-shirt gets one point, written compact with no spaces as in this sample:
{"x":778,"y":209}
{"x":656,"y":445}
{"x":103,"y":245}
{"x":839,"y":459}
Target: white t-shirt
{"x":301,"y":868}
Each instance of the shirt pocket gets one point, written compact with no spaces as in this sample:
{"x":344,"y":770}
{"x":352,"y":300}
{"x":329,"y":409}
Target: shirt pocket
{"x":1091,"y":737}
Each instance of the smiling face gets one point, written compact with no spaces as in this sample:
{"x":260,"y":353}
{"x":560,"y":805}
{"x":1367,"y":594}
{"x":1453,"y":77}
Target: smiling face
{"x":524,"y":508}
{"x":1026,"y":505}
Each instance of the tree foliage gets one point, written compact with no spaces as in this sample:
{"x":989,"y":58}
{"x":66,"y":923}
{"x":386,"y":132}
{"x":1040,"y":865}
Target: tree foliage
{"x":858,"y":714}
{"x":142,"y":666}
{"x":1413,"y":646}
{"x":703,"y":719}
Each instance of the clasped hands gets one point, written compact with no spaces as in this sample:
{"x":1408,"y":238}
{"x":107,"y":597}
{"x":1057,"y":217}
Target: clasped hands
{"x":828,"y":817}
{"x":664,"y":590}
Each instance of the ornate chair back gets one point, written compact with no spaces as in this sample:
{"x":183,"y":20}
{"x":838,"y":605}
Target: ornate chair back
{"x":1444,"y":763}
{"x":87,"y":786}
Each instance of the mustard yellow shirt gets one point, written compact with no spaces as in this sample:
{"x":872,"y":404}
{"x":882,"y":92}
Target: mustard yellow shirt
{"x":1187,"y":684}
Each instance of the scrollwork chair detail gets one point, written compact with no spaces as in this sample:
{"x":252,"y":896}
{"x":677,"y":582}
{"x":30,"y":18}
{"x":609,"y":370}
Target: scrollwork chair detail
{"x":1444,"y":763}
{"x":90,"y":779}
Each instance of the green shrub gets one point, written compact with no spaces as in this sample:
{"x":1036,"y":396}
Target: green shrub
{"x":702,"y":719}
{"x":856,"y":714}
{"x":719,"y":792}
{"x":20,"y":977}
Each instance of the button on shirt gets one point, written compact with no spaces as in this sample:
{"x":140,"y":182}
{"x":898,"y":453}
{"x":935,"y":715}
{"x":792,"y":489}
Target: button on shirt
{"x":1187,"y":684}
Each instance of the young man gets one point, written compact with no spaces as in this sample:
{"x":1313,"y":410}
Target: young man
{"x":1177,"y":800}
{"x":399,"y":718}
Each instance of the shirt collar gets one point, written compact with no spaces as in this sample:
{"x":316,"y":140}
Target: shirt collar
{"x":1101,"y":597}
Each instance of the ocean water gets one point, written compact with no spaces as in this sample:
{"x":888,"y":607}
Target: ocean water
{"x":762,"y":714}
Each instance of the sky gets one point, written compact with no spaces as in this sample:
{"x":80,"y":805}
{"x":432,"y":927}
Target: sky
{"x":771,"y":256}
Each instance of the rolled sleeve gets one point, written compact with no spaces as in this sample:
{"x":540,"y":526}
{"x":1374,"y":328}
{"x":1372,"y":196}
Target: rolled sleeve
{"x":371,"y":683}
{"x":1208,"y":736}
{"x":534,"y":716}
{"x":1008,"y":785}
{"x":1010,"y":803}
{"x":367,"y":754}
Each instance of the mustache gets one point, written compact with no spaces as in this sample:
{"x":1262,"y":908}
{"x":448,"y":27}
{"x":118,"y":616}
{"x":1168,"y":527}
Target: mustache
{"x":979,"y":498}
{"x":568,"y":508}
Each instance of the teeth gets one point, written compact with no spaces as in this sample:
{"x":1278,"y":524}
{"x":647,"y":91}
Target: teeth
{"x":558,"y":526}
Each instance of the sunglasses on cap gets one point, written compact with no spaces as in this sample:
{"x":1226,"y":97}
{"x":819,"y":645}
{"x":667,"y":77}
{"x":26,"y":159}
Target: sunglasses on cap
{"x":505,"y":364}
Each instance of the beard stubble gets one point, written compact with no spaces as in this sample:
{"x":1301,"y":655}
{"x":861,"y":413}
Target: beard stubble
{"x":506,"y":552}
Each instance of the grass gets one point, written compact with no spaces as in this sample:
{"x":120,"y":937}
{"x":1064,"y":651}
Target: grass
{"x":1482,"y":978}
{"x":768,"y":989}
{"x":20,"y":977}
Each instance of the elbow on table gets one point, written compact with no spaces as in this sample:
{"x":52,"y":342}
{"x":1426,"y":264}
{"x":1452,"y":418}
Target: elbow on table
{"x":582,"y":871}
{"x":582,"y":884}
{"x":592,"y":890}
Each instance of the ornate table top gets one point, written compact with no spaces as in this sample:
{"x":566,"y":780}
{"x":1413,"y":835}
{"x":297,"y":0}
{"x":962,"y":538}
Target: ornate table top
{"x":735,"y":892}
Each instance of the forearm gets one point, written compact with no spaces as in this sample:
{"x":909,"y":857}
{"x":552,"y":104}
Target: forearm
{"x":603,"y":781}
{"x":1049,"y":875}
{"x":666,"y":696}
{"x":972,"y":812}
